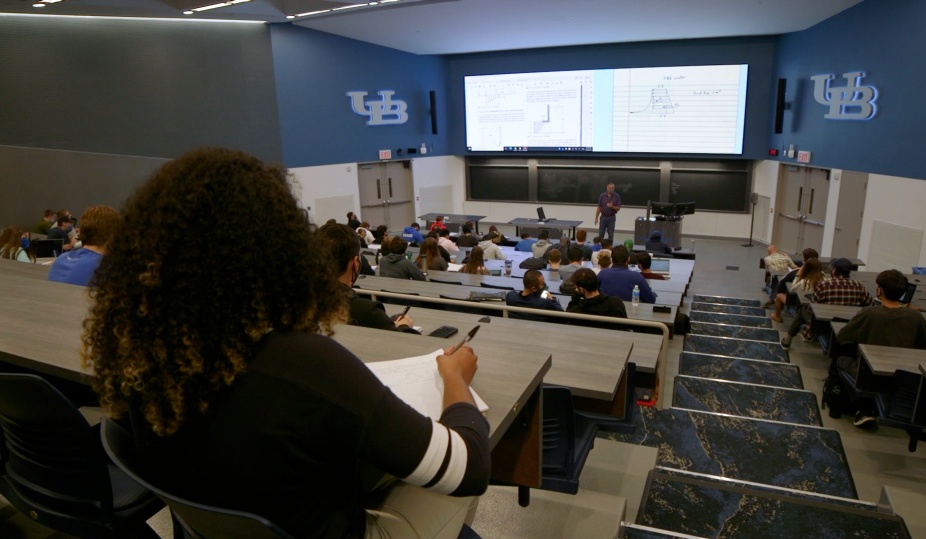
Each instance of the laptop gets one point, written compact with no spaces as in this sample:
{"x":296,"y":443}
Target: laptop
{"x":487,"y":296}
{"x":660,"y":266}
{"x":907,"y":296}
{"x":541,"y":216}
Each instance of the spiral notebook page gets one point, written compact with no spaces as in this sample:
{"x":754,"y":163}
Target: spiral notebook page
{"x":416,"y":381}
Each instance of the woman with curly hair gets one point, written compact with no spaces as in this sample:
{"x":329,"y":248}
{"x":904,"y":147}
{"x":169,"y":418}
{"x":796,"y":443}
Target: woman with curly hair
{"x":14,"y":244}
{"x":476,"y":263}
{"x":216,"y":351}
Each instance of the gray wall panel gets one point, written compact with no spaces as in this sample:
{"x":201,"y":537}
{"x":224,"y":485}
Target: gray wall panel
{"x":134,"y":87}
{"x":33,"y":179}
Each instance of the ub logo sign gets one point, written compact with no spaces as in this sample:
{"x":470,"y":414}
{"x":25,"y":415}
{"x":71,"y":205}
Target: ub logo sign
{"x":850,"y":102}
{"x":386,"y":111}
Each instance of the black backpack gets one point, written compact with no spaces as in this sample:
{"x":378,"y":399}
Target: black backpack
{"x":835,"y":396}
{"x":533,"y":262}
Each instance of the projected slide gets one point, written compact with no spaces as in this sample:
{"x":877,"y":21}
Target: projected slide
{"x":685,"y":109}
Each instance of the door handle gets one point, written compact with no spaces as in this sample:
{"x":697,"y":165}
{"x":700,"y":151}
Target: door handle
{"x":812,"y":222}
{"x":786,"y":216}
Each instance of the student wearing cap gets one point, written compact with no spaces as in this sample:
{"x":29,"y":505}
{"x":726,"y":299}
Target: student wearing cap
{"x":491,"y":248}
{"x":655,"y":244}
{"x":840,"y":290}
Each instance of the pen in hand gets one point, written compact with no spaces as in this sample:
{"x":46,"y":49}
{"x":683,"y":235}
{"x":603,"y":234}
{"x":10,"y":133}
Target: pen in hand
{"x":466,"y":339}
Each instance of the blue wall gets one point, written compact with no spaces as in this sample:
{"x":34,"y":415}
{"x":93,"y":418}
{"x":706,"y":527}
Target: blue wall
{"x":758,"y":52}
{"x":886,"y":40}
{"x":314,"y":71}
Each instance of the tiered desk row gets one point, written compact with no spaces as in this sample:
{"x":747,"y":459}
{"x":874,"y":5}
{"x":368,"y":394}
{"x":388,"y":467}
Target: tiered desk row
{"x":41,"y":326}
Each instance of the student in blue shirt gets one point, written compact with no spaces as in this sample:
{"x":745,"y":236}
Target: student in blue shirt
{"x":412,"y":234}
{"x":619,"y":280}
{"x":533,"y":296}
{"x":99,"y":225}
{"x":525,"y":244}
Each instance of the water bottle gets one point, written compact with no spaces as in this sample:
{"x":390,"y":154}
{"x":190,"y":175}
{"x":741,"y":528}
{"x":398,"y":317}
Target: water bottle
{"x":692,"y":246}
{"x":636,"y":295}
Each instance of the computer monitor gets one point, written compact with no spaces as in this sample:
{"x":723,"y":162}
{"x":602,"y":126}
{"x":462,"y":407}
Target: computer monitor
{"x":541,"y":216}
{"x":662,"y":208}
{"x":684,"y":208}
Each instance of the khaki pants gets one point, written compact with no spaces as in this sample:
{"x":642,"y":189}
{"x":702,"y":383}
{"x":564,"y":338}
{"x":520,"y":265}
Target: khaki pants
{"x":405,"y":511}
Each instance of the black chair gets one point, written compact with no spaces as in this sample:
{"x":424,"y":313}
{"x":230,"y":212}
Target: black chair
{"x":567,"y":439}
{"x":197,"y":521}
{"x":56,"y":471}
{"x":898,"y":407}
{"x":496,"y":286}
{"x":444,"y":282}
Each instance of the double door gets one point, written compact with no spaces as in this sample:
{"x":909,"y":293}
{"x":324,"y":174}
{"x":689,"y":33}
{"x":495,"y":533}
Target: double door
{"x":801,"y":215}
{"x":386,"y":194}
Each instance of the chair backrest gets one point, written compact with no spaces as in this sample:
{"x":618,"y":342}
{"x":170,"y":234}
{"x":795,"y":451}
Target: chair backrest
{"x":199,"y":521}
{"x":558,"y":429}
{"x":905,"y":387}
{"x":51,"y":451}
{"x":495,"y":286}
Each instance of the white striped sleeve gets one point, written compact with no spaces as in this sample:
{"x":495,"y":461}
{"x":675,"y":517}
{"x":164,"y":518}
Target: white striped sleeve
{"x":443,"y":464}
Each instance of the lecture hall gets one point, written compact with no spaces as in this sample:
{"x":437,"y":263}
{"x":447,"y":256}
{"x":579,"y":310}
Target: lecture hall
{"x":727,"y":128}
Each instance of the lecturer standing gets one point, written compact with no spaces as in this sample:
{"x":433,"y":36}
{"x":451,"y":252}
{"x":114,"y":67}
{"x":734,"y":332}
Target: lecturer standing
{"x":609,"y":203}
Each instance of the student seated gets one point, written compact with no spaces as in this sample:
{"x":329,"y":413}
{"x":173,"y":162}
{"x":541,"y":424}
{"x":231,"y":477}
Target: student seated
{"x":533,"y":296}
{"x":645,"y":262}
{"x":655,"y":244}
{"x":619,"y":280}
{"x":589,"y":300}
{"x":14,"y":244}
{"x":475,"y":264}
{"x":217,"y":354}
{"x":396,"y":265}
{"x":99,"y":225}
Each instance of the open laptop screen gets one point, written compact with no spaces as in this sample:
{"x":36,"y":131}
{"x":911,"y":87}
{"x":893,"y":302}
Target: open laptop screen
{"x":660,"y":265}
{"x":541,"y":215}
{"x":907,"y":296}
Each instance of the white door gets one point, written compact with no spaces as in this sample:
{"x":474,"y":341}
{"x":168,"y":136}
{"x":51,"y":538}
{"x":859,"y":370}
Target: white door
{"x":801,"y":214}
{"x":386,"y":194}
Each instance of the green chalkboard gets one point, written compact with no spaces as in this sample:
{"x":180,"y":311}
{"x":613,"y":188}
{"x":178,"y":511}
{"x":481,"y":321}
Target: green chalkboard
{"x":499,"y":183}
{"x":583,"y":185}
{"x":711,"y":190}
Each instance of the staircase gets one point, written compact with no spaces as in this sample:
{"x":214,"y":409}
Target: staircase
{"x":742,"y":450}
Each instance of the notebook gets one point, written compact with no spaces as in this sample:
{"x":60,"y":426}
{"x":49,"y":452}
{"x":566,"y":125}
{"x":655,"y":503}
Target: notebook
{"x":416,"y":381}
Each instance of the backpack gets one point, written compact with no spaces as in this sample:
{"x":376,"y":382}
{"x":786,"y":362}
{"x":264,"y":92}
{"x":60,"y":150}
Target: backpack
{"x":534,"y":262}
{"x":835,"y":396}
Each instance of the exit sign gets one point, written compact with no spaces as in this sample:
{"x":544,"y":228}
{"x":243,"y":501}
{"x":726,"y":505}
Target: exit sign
{"x":385,"y":154}
{"x":803,"y":157}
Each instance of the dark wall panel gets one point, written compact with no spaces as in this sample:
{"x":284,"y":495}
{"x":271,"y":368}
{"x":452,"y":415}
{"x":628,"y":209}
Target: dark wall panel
{"x":135,"y":87}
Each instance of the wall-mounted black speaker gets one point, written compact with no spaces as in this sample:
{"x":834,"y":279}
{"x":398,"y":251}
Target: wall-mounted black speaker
{"x":780,"y":106}
{"x":433,"y":96}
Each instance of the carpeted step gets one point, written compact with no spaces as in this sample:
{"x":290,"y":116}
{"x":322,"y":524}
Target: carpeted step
{"x":728,"y":301}
{"x":737,"y":332}
{"x":798,"y":457}
{"x":731,"y":319}
{"x":695,"y":505}
{"x":734,"y":369}
{"x":728,"y":309}
{"x":729,"y":346}
{"x":746,"y":400}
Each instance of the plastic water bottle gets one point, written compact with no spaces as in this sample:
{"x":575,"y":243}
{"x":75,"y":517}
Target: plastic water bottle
{"x":636,"y":295}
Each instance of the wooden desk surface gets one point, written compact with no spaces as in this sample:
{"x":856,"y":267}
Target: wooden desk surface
{"x":644,"y":311}
{"x":506,"y":378}
{"x":589,"y":361}
{"x":27,"y":269}
{"x":825,"y":312}
{"x":884,"y":360}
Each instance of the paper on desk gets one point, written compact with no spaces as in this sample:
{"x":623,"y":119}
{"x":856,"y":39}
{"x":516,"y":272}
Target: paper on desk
{"x":416,"y":381}
{"x":454,"y":267}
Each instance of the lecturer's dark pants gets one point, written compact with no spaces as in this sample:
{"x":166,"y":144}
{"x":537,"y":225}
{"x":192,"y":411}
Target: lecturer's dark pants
{"x":606,"y":224}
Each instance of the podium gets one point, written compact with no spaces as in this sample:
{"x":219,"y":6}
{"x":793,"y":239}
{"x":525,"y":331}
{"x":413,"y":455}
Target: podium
{"x":671,"y":229}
